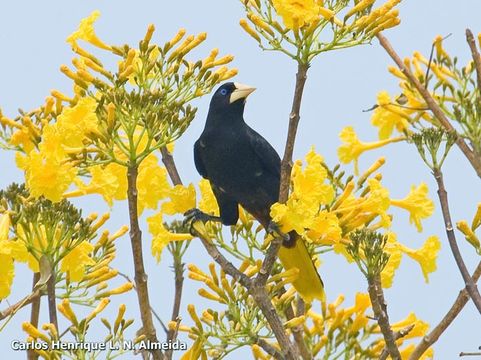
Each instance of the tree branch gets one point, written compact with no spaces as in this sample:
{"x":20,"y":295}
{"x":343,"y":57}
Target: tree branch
{"x":453,"y":312}
{"x":179,"y":284}
{"x":52,"y":307}
{"x":380,"y":312}
{"x":271,"y":350}
{"x":432,"y":105}
{"x":140,"y":275}
{"x":34,"y":314}
{"x":471,"y":287}
{"x":475,"y":55}
{"x":294,"y":117}
{"x":397,"y":335}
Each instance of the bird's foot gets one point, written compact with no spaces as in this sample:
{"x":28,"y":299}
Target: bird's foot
{"x":198,"y":215}
{"x":274,"y":230}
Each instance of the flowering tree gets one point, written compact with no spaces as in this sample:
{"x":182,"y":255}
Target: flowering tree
{"x":109,"y":137}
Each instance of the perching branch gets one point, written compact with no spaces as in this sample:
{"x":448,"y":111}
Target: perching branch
{"x":294,"y":117}
{"x":432,"y":105}
{"x":380,"y":312}
{"x":471,"y":286}
{"x":140,"y":275}
{"x":271,"y":350}
{"x":446,"y":321}
{"x":255,"y":287}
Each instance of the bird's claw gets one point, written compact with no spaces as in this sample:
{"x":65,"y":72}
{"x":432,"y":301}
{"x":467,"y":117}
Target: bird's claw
{"x":275,"y":231}
{"x":195,"y":214}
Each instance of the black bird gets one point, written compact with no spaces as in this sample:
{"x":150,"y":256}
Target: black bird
{"x":244,"y":169}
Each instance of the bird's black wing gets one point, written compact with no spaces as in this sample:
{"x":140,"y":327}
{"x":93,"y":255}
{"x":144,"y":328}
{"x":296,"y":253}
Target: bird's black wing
{"x":199,"y":164}
{"x":265,"y":152}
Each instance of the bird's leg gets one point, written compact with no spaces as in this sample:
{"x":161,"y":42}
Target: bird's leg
{"x":194,"y":215}
{"x":274,"y":230}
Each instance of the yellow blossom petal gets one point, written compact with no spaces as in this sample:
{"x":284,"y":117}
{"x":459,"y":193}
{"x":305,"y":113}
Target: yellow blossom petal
{"x":161,"y":236}
{"x":181,"y":199}
{"x":426,"y":256}
{"x":417,"y":203}
{"x":76,"y":260}
{"x":297,"y":13}
{"x":86,"y":32}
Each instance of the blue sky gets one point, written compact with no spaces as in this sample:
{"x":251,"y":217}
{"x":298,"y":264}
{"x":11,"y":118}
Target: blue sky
{"x":340,"y":85}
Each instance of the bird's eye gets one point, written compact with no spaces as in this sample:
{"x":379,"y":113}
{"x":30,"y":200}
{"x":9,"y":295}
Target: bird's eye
{"x":223,"y":92}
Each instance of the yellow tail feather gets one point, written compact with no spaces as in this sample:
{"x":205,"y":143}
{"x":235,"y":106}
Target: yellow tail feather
{"x":308,"y":284}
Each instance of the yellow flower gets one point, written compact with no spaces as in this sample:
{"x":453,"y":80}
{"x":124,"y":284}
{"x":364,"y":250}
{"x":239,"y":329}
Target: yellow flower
{"x":161,"y":236}
{"x":86,"y":32}
{"x":395,"y":256}
{"x":23,"y":138}
{"x":109,"y":181}
{"x":325,"y":229}
{"x":309,"y":183}
{"x":417,"y":203}
{"x":293,"y":215}
{"x":152,"y":183}
{"x":181,"y":199}
{"x":352,"y":147}
{"x":297,"y":13}
{"x":426,"y":256}
{"x":75,"y":261}
{"x":48,"y":172}
{"x":469,"y":234}
{"x":387,"y":116}
{"x":74,"y":123}
{"x":207,"y":203}
{"x":420,"y":327}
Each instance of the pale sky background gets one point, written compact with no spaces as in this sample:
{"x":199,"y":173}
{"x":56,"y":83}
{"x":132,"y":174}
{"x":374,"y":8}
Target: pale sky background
{"x":340,"y":85}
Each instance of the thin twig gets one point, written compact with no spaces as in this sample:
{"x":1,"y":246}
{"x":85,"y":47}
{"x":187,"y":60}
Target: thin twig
{"x":432,"y":104}
{"x":452,"y":313}
{"x":34,"y":314}
{"x":140,"y":275}
{"x":271,"y":350}
{"x":12,"y":309}
{"x":471,"y":286}
{"x":179,"y":284}
{"x":397,"y":335}
{"x":379,"y":308}
{"x":469,"y":354}
{"x":476,"y":56}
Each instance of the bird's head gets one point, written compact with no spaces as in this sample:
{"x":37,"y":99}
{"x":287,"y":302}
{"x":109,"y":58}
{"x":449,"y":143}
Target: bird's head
{"x":230,"y":97}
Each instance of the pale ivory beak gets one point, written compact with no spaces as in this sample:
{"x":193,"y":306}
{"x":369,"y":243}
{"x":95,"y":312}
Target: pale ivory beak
{"x":241,"y":92}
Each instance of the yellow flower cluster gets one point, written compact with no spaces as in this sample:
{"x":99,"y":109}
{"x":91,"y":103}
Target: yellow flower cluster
{"x":325,"y":219}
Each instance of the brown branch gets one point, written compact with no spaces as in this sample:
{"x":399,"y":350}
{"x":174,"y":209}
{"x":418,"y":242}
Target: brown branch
{"x":255,"y":287}
{"x":294,"y":117}
{"x":169,"y":163}
{"x":475,"y":55}
{"x":397,"y":335}
{"x":12,"y":309}
{"x":271,"y":350}
{"x":52,"y":306}
{"x":140,"y":275}
{"x":34,"y":314}
{"x":432,"y":105}
{"x":446,"y":321}
{"x":379,"y":308}
{"x":297,"y":330}
{"x":471,"y":286}
{"x":179,"y":283}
